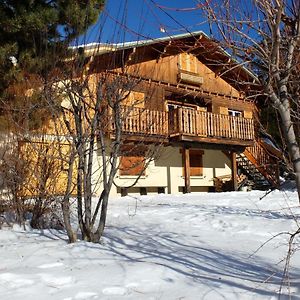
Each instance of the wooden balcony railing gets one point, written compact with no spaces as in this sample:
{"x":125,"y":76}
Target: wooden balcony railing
{"x":206,"y":124}
{"x":140,"y":121}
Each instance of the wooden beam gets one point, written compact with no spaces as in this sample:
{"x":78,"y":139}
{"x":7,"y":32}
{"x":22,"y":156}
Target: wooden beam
{"x":187,"y":170}
{"x":196,"y":145}
{"x":234,"y":171}
{"x":130,"y":56}
{"x":210,"y":140}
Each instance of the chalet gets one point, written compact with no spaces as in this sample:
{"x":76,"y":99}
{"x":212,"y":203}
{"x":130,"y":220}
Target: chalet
{"x":191,"y":102}
{"x":202,"y":107}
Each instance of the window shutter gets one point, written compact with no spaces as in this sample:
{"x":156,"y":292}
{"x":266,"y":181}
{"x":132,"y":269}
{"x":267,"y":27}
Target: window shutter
{"x":188,"y":62}
{"x":248,"y":114}
{"x":223,"y":110}
{"x":196,"y":162}
{"x":136,"y":99}
{"x":132,"y":165}
{"x":132,"y":161}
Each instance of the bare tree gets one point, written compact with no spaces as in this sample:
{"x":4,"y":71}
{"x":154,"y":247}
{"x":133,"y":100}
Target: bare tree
{"x":89,"y":112}
{"x":264,"y":36}
{"x":11,"y":178}
{"x":29,"y":165}
{"x":69,"y":134}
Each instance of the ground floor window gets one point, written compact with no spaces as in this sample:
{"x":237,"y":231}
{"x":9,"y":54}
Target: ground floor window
{"x":196,"y":162}
{"x":132,"y":161}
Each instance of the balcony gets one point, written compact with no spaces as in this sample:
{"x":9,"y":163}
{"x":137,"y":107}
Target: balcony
{"x":187,"y":125}
{"x":193,"y":125}
{"x":143,"y":122}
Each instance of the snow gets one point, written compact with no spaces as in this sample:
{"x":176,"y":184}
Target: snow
{"x":197,"y":246}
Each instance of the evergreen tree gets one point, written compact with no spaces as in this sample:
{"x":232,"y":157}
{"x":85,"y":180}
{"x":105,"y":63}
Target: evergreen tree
{"x":34,"y":33}
{"x":34,"y":39}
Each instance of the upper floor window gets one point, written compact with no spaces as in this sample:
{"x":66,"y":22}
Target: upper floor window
{"x":234,"y":113}
{"x":172,"y":106}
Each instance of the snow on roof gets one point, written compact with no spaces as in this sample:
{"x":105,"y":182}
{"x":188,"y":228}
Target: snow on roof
{"x":99,"y":48}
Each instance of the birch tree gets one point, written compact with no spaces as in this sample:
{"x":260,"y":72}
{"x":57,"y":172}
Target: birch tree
{"x":264,"y":36}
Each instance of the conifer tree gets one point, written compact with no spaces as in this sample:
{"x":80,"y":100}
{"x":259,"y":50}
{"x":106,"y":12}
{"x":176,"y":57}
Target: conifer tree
{"x":34,"y":33}
{"x":34,"y":39}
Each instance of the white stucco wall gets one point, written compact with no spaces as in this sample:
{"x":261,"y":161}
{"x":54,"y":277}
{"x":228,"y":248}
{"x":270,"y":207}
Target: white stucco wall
{"x":167,"y":171}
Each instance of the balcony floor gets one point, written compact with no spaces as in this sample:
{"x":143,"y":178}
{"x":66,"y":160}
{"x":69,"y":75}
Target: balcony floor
{"x":210,"y":140}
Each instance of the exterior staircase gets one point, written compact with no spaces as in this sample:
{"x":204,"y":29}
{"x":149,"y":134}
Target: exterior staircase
{"x":260,"y":164}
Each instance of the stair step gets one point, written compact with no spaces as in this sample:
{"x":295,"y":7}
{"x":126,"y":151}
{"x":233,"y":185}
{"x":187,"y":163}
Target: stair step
{"x":259,"y":180}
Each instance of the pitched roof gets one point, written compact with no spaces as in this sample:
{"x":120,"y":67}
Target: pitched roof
{"x":197,"y":43}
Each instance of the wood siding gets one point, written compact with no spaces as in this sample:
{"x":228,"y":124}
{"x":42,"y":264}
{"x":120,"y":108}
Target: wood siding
{"x":167,"y":68}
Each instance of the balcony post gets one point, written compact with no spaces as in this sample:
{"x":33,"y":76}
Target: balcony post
{"x":179,"y":118}
{"x":234,"y":171}
{"x":187,"y":171}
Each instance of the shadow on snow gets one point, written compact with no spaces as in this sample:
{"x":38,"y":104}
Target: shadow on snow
{"x":211,"y":267}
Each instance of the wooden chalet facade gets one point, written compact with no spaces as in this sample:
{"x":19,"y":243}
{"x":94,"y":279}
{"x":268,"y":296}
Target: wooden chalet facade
{"x":193,"y":99}
{"x":188,"y":99}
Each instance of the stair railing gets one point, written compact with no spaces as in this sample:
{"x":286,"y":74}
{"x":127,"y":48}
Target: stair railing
{"x":264,"y":162}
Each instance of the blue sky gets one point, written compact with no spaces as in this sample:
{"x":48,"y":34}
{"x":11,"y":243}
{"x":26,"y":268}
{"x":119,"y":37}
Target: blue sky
{"x":128,"y":20}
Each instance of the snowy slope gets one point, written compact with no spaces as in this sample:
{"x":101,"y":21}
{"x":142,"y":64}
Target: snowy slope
{"x":198,"y":246}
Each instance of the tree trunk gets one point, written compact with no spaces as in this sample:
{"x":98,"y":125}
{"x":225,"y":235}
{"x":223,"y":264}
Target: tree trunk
{"x":99,"y":232}
{"x":298,"y":184}
{"x":292,"y":144}
{"x":37,"y":213}
{"x":67,"y":222}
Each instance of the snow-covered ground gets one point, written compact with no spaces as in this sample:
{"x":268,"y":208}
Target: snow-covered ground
{"x":198,"y":246}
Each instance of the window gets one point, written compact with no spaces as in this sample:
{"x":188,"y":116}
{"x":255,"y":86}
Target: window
{"x":196,"y":163}
{"x":234,"y":113}
{"x":174,"y":105}
{"x":132,"y":161}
